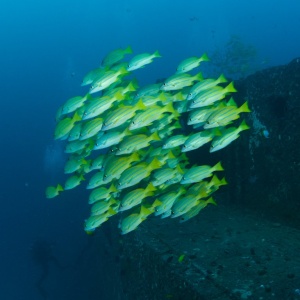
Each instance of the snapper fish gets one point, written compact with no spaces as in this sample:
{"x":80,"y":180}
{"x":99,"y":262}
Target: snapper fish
{"x":73,"y":181}
{"x":95,"y":221}
{"x":107,"y":79}
{"x":117,"y":165}
{"x":205,"y":84}
{"x":197,"y":140}
{"x":196,"y":209}
{"x":191,"y":63}
{"x":175,"y":141}
{"x":53,"y":191}
{"x":210,"y":96}
{"x":75,"y":132}
{"x":101,"y":207}
{"x":120,"y":115}
{"x":90,"y":128}
{"x":179,"y":81}
{"x":73,"y":165}
{"x":228,"y":136}
{"x":115,"y":56}
{"x":99,"y":105}
{"x":225,"y":116}
{"x":151,"y":114}
{"x":167,"y":200}
{"x":132,"y":221}
{"x":111,"y":138}
{"x":136,"y":197}
{"x":74,"y":103}
{"x":137,"y":173}
{"x":197,"y":173}
{"x":64,"y":126}
{"x":136,"y":142}
{"x":140,"y":60}
{"x":93,"y":75}
{"x":102,"y":193}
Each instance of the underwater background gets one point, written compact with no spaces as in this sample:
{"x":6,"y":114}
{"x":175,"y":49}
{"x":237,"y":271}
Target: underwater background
{"x":46,"y":49}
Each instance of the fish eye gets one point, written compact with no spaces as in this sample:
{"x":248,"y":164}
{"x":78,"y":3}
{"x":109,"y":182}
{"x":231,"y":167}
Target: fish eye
{"x":184,"y":146}
{"x":194,"y":102}
{"x":119,"y":184}
{"x":105,"y":176}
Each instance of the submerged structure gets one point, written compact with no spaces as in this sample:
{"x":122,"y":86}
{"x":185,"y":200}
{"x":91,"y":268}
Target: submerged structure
{"x":128,"y":144}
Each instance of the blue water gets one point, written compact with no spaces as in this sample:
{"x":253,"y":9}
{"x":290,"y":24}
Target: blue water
{"x":46,"y":49}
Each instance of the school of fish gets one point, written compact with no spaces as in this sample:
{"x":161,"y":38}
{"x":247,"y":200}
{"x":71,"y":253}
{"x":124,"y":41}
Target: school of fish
{"x":127,"y":144}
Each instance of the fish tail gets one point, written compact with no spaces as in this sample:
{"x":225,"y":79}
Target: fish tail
{"x":130,"y":87}
{"x":244,"y":126}
{"x":231,"y":102}
{"x":119,"y":96}
{"x":59,"y":188}
{"x":230,"y":88}
{"x":155,"y":164}
{"x":134,"y":157}
{"x":223,"y":181}
{"x":211,"y":201}
{"x":199,"y":77}
{"x":222,"y":79}
{"x":128,"y":50}
{"x":179,"y":169}
{"x":140,"y":105}
{"x":154,"y":137}
{"x":215,"y":181}
{"x":76,"y":117}
{"x":156,"y":54}
{"x":145,"y":211}
{"x":218,"y":167}
{"x":204,"y":57}
{"x":245,"y":107}
{"x":112,"y":189}
{"x":150,"y":188}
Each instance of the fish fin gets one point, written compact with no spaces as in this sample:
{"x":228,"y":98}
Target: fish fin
{"x":230,"y":88}
{"x":218,"y":167}
{"x":59,"y":188}
{"x":215,"y":181}
{"x":156,"y":54}
{"x":222,"y":79}
{"x":128,"y":50}
{"x":145,"y":211}
{"x":198,"y":77}
{"x":211,"y":201}
{"x":244,"y":107}
{"x":130,"y":87}
{"x":244,"y":126}
{"x":231,"y":102}
{"x":76,"y":117}
{"x":154,"y":137}
{"x":140,"y":105}
{"x":223,"y":181}
{"x":155,"y":164}
{"x":112,"y":189}
{"x":179,"y":169}
{"x":150,"y":188}
{"x":204,"y":57}
{"x":119,"y":96}
{"x":134,"y":157}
